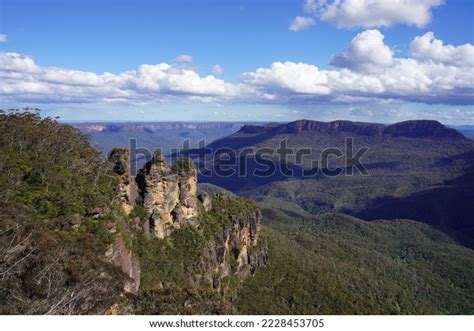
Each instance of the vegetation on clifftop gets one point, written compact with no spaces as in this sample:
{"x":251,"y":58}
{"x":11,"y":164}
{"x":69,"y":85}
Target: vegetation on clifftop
{"x":56,"y":196}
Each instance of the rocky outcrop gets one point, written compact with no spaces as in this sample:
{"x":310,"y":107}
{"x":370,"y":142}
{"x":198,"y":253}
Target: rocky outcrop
{"x":129,"y":263}
{"x":169,"y":194}
{"x":219,"y":232}
{"x":206,"y":201}
{"x":234,"y":250}
{"x":127,"y":193}
{"x":127,"y":187}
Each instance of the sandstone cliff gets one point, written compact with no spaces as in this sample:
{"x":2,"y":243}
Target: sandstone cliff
{"x":174,"y":239}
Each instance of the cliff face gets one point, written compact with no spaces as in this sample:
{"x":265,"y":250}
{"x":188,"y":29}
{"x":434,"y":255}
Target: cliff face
{"x":169,"y":195}
{"x":127,"y":188}
{"x":234,"y":250}
{"x":220,"y":233}
{"x":127,"y":192}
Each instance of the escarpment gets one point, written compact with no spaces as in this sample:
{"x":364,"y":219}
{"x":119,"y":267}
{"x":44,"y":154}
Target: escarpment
{"x":182,"y":239}
{"x":407,"y":129}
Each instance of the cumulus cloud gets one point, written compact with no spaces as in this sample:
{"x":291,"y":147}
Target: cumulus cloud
{"x":217,"y":70}
{"x":367,"y":71}
{"x":428,"y":48}
{"x":184,"y":58}
{"x":288,"y":77}
{"x":3,"y":37}
{"x":301,"y":22}
{"x":366,"y":53}
{"x":14,"y":62}
{"x":372,"y":13}
{"x":23,"y":79}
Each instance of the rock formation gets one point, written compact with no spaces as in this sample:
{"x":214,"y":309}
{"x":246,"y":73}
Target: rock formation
{"x":235,"y":250}
{"x":168,"y":194}
{"x":206,"y":201}
{"x":127,"y":193}
{"x":168,"y":199}
{"x":129,"y":263}
{"x":127,"y":188}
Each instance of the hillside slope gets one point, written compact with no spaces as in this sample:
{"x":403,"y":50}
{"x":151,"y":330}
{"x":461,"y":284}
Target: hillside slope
{"x":336,"y":264}
{"x":402,"y":161}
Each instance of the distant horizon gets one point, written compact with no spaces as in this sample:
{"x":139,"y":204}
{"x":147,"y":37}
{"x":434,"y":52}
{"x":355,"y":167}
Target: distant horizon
{"x":244,"y":122}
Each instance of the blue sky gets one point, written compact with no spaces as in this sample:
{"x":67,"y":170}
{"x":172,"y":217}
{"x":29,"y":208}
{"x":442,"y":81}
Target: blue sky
{"x":59,"y":47}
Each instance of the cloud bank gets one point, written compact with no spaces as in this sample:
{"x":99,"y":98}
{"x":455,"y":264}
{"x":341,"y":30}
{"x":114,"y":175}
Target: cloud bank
{"x":365,"y":72}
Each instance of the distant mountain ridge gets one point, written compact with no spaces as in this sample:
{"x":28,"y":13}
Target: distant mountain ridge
{"x":414,"y":128}
{"x":133,"y":126}
{"x":151,"y":135}
{"x":420,"y":170}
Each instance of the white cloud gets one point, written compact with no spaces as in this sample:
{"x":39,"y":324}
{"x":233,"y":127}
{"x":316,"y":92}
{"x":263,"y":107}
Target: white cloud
{"x":3,"y":37}
{"x":368,"y":72}
{"x":311,"y":6}
{"x":288,"y":77}
{"x":168,"y":79}
{"x":301,"y":22}
{"x":217,"y":70}
{"x":23,"y":79}
{"x":14,"y":62}
{"x":428,"y":48}
{"x":366,"y":53}
{"x":372,"y":13}
{"x":184,"y":58}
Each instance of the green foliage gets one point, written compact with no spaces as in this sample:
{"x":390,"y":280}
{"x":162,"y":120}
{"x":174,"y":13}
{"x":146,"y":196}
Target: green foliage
{"x":170,"y":260}
{"x":56,"y":194}
{"x":51,"y":168}
{"x":400,"y":168}
{"x":183,"y":165}
{"x":171,"y":271}
{"x":174,"y":269}
{"x":174,"y":300}
{"x":138,"y":211}
{"x":224,"y":208}
{"x":335,"y":264}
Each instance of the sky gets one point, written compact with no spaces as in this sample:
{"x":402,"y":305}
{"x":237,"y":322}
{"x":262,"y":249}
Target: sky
{"x":258,"y":60}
